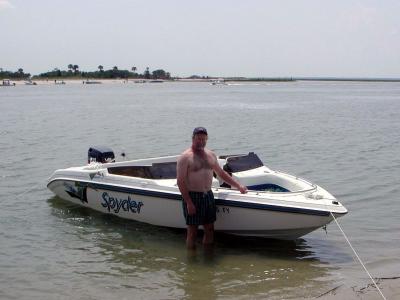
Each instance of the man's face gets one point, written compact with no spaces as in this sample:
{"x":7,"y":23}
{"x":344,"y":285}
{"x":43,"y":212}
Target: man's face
{"x":199,"y":141}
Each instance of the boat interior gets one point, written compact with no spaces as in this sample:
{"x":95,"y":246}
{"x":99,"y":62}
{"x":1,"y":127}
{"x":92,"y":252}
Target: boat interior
{"x":246,"y":168}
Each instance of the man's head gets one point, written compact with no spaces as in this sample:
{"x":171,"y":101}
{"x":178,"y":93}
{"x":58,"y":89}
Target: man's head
{"x":199,"y":130}
{"x":199,"y":138}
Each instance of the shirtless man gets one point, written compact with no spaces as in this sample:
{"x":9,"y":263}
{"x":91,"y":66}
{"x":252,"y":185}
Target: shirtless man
{"x":195,"y":174}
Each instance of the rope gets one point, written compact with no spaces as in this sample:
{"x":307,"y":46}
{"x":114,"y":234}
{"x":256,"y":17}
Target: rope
{"x":28,"y":190}
{"x":359,"y":259}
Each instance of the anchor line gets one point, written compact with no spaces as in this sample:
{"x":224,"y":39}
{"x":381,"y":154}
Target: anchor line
{"x":358,"y":257}
{"x":28,"y":190}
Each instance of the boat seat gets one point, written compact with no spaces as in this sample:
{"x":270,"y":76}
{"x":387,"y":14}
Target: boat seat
{"x":215,"y":183}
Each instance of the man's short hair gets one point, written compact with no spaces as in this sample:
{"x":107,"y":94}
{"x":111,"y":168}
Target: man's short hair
{"x":199,"y":130}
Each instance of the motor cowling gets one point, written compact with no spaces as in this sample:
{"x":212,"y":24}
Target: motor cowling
{"x":100,"y":154}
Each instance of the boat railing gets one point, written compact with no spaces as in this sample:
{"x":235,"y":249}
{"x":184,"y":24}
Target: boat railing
{"x":295,"y":177}
{"x":256,"y":192}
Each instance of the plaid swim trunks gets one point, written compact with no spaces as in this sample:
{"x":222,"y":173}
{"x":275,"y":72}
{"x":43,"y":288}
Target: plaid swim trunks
{"x":205,"y":208}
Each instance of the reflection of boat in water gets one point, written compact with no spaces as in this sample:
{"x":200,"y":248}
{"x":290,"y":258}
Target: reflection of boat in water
{"x":278,"y":205}
{"x":219,"y":81}
{"x":91,"y":82}
{"x":7,"y":82}
{"x":59,"y":82}
{"x":272,"y":268}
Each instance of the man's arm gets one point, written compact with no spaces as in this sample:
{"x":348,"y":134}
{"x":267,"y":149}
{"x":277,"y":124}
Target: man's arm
{"x":226,"y":177}
{"x":182,"y":174}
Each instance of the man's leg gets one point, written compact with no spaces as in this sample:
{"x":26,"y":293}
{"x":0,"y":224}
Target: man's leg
{"x":191,"y":236}
{"x":208,"y":237}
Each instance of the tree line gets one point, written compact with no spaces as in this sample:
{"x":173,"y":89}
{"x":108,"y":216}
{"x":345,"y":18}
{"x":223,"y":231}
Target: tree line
{"x":73,"y":72}
{"x":19,"y":74}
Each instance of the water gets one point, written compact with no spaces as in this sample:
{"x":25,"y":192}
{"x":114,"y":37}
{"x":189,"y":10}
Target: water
{"x":342,"y":136}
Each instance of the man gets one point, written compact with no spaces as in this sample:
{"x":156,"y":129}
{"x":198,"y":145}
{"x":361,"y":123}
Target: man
{"x":195,"y":174}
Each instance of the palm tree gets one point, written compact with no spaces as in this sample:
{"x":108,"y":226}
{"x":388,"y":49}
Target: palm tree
{"x":147,"y":73}
{"x":75,"y":67}
{"x":70,"y":67}
{"x":100,"y":67}
{"x":133,"y":69}
{"x":20,"y":72}
{"x":115,"y":68}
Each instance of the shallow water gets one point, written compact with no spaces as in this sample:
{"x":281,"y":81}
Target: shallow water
{"x":342,"y":136}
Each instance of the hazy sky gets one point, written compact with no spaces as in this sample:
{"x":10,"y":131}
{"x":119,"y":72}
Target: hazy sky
{"x":346,"y":38}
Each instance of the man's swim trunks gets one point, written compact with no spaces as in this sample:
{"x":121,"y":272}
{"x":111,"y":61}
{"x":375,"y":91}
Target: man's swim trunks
{"x":205,"y":208}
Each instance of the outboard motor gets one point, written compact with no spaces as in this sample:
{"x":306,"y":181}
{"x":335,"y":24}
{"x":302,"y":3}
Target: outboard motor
{"x":100,"y":154}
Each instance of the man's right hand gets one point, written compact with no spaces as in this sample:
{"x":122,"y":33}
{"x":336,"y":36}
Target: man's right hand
{"x":243,"y":189}
{"x":191,"y":209}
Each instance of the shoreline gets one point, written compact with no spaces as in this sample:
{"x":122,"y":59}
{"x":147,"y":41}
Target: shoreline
{"x":76,"y":81}
{"x":190,"y":80}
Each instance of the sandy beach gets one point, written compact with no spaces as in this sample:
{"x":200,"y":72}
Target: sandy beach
{"x":77,"y":81}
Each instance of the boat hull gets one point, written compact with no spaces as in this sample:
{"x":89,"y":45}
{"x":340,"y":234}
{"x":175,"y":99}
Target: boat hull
{"x":165,"y":209}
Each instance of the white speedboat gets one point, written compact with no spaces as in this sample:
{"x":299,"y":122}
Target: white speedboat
{"x":219,"y":81}
{"x":91,"y":82}
{"x":30,"y":82}
{"x":7,"y":82}
{"x":277,"y":205}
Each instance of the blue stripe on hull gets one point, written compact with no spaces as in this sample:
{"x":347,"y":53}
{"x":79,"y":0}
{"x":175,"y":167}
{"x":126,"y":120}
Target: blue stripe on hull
{"x":222,"y":202}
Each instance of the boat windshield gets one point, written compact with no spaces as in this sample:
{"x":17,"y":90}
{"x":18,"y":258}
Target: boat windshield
{"x":165,"y":170}
{"x":242,"y":163}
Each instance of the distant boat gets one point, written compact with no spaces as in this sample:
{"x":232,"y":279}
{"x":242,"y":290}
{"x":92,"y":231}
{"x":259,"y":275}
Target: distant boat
{"x":219,"y":81}
{"x":91,"y":82}
{"x":156,"y":81}
{"x":7,"y":82}
{"x":30,"y":82}
{"x":59,"y":82}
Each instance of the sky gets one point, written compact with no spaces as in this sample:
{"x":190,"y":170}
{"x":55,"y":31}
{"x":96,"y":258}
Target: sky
{"x":266,"y":38}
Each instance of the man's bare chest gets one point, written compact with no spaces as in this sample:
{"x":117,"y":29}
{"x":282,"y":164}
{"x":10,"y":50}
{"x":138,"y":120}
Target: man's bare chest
{"x":199,"y":163}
